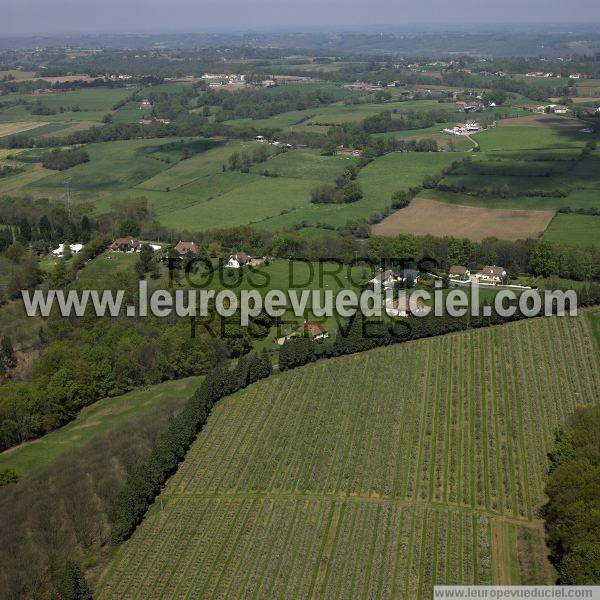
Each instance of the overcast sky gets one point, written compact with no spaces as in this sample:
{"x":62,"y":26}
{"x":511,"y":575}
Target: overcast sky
{"x":105,"y":16}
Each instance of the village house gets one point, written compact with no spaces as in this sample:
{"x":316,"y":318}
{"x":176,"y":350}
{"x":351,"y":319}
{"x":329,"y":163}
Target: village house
{"x":258,"y":262}
{"x":268,"y":83}
{"x":399,"y":307}
{"x":315,"y":330}
{"x":145,"y":122}
{"x":182,"y":248}
{"x":388,"y":278}
{"x":385,"y":278}
{"x":146,"y":103}
{"x":410,"y":275}
{"x":472,"y":126}
{"x":345,"y":151}
{"x":464,"y":128}
{"x":492,"y":273}
{"x":125,"y":244}
{"x":575,"y":76}
{"x":402,"y":307}
{"x":75,"y":249}
{"x":238,"y":260}
{"x":459,"y":272}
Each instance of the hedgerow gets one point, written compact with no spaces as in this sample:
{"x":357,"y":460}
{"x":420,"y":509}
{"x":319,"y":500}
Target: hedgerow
{"x":170,"y":447}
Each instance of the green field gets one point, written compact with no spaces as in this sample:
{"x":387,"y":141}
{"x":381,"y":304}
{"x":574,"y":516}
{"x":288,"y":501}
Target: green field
{"x":379,"y":180}
{"x":201,"y":196}
{"x":374,"y":475}
{"x":531,"y":168}
{"x":113,"y":167}
{"x":320,"y":118}
{"x":538,"y":165}
{"x":96,"y":420}
{"x":93,"y":104}
{"x":580,"y":230}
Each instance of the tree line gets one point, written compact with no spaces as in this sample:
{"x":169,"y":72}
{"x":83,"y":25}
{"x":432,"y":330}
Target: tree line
{"x":572,"y":513}
{"x":260,"y":104}
{"x":360,"y":334}
{"x":170,"y":447}
{"x":59,"y":160}
{"x":345,"y":190}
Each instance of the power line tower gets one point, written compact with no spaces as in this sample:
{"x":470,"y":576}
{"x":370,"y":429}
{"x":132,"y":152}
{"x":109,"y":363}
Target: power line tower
{"x":69,"y":198}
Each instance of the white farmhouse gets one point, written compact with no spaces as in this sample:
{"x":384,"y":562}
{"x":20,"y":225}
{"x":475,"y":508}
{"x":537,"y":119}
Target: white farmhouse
{"x":492,"y":273}
{"x":75,"y":249}
{"x":384,"y":278}
{"x":238,"y":260}
{"x":459,"y":272}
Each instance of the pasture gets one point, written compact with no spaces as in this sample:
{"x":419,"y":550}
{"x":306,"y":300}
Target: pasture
{"x":79,"y":105}
{"x":8,"y":129}
{"x":320,"y":118}
{"x":537,"y":168}
{"x":95,"y":420}
{"x":513,"y":137}
{"x":429,"y":217}
{"x":113,"y":166}
{"x":379,"y":179}
{"x":202,"y":196}
{"x":578,"y":230}
{"x":373,"y":475}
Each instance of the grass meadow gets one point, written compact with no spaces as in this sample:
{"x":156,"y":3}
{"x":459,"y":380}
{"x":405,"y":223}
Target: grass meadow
{"x":582,"y":230}
{"x":96,"y":420}
{"x":93,"y":104}
{"x":541,"y":168}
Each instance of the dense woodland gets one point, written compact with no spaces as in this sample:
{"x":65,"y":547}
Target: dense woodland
{"x":573,"y":510}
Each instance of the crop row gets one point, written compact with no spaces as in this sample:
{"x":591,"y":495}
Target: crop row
{"x":370,"y":476}
{"x":464,"y":419}
{"x":281,"y":547}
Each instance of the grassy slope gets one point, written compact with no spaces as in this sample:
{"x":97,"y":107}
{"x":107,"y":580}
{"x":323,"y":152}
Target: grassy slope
{"x":521,"y":156}
{"x":374,"y":475}
{"x":93,"y":105}
{"x":114,"y":168}
{"x":378,"y":180}
{"x":581,"y":230}
{"x":202,"y":196}
{"x":96,"y":420}
{"x":322,"y":117}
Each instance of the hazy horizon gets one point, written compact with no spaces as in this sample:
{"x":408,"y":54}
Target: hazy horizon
{"x":64,"y":17}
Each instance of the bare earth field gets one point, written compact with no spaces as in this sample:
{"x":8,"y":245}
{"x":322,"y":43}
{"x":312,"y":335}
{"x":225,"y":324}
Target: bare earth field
{"x":431,"y":217}
{"x":31,"y":75}
{"x":589,"y":87}
{"x":541,"y":120}
{"x":582,"y":100}
{"x":19,"y":127}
